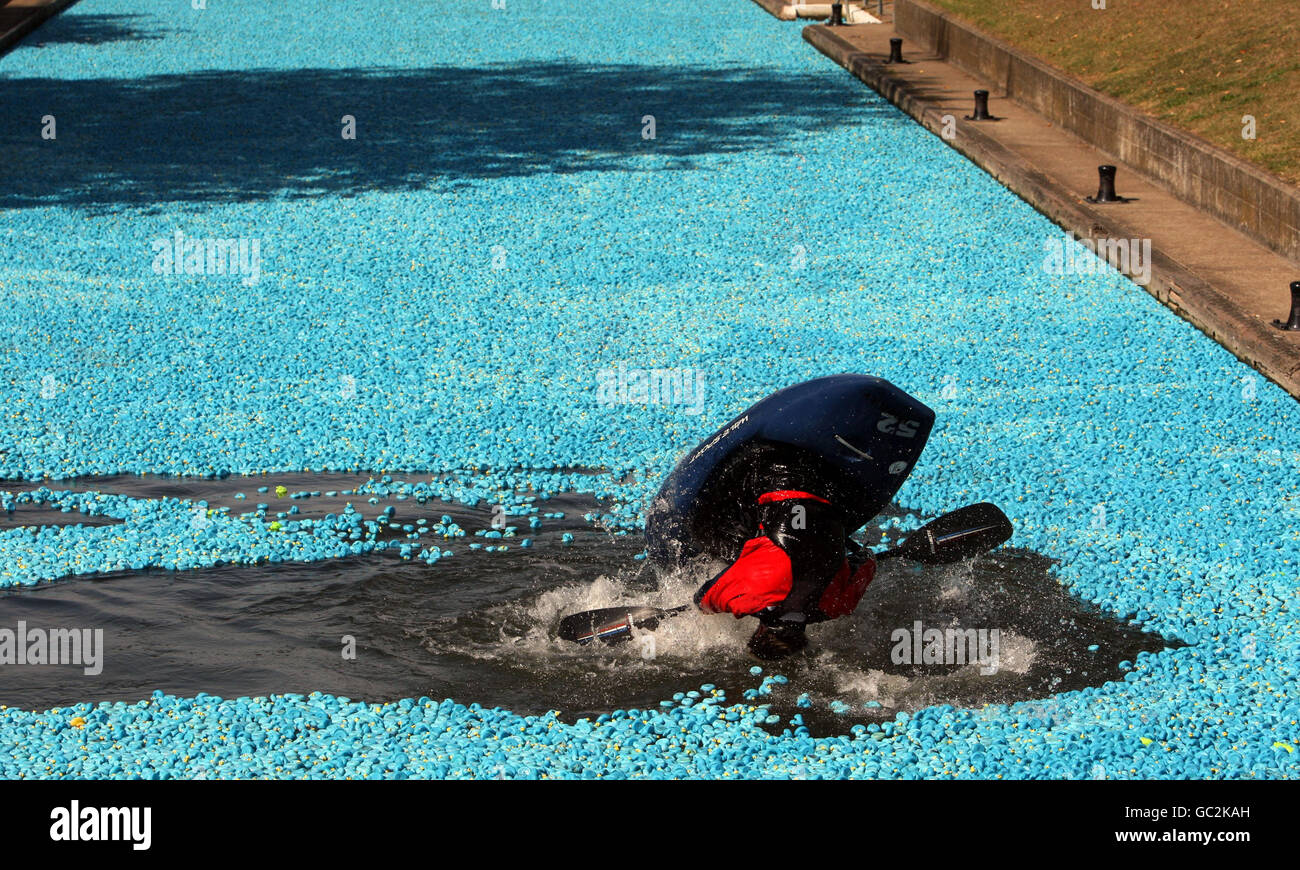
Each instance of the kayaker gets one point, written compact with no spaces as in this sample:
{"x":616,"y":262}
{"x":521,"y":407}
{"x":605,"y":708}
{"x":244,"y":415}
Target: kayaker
{"x":774,"y":494}
{"x":796,"y":569}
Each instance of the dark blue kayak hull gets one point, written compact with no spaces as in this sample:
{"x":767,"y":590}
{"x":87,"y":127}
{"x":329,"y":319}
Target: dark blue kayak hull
{"x":862,"y":434}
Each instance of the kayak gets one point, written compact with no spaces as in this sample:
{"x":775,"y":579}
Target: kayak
{"x":859,"y":437}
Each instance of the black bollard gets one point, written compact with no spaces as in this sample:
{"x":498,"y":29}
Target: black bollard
{"x":895,"y":50}
{"x":1293,"y":324}
{"x":1106,"y":190}
{"x":982,"y":108}
{"x":837,"y":15}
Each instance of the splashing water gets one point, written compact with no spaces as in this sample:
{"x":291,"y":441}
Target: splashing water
{"x":481,"y":627}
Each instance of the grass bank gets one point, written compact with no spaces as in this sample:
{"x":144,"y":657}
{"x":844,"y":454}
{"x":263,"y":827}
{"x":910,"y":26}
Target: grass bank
{"x":1200,"y":66}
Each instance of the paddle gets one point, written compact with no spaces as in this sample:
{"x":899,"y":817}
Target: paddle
{"x":965,"y":532}
{"x":612,"y":624}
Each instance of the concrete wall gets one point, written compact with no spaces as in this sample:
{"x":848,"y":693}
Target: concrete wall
{"x":1251,"y":200}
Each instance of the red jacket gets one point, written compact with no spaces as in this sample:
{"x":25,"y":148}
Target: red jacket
{"x":796,"y":567}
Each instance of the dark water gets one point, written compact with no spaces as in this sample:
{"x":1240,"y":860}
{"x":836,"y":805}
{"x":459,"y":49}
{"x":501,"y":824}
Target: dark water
{"x":479,"y":626}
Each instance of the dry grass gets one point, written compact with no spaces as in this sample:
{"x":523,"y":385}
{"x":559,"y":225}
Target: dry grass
{"x":1198,"y":65}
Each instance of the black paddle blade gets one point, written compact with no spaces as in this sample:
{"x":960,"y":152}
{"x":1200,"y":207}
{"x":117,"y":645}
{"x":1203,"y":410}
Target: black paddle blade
{"x":959,"y":535}
{"x":612,"y":624}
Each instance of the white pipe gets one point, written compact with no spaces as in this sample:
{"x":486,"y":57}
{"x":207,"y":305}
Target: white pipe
{"x":852,"y":14}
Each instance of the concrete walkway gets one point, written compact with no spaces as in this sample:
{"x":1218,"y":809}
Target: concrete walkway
{"x":1228,"y":285}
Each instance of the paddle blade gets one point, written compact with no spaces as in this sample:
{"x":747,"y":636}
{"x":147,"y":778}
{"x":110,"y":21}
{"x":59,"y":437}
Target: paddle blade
{"x":612,"y":624}
{"x":959,"y":535}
